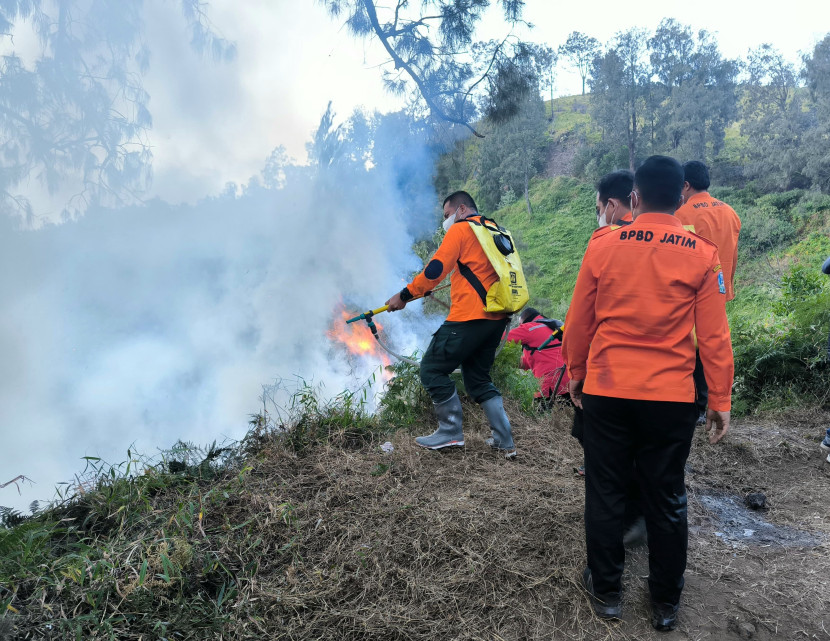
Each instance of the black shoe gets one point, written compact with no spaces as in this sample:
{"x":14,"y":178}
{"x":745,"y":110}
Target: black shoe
{"x":663,"y":616}
{"x":607,"y":607}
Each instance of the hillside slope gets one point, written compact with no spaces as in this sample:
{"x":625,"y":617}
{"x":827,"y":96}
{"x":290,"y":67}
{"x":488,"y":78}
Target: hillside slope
{"x":343,"y":541}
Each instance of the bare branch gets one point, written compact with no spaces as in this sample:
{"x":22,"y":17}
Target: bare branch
{"x":15,"y":480}
{"x":399,"y":62}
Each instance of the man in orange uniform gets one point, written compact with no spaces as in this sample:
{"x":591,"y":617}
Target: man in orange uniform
{"x":545,"y":363}
{"x":613,"y":205}
{"x":469,"y":337}
{"x":715,"y":221}
{"x":613,"y":208}
{"x":630,"y":353}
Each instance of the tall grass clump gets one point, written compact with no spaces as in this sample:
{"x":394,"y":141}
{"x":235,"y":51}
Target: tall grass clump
{"x":344,"y":420}
{"x":126,"y":553}
{"x":784,"y":360}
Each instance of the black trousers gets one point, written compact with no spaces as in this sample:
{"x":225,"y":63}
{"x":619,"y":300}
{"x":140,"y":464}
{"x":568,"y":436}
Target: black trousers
{"x":649,"y":440}
{"x":633,"y":500}
{"x":472,"y":345}
{"x":701,"y":388}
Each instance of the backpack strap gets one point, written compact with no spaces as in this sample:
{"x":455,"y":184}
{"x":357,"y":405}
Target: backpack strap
{"x":467,"y":273}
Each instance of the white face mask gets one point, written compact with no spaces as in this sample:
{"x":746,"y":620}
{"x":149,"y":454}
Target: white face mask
{"x":448,"y":221}
{"x":602,"y":221}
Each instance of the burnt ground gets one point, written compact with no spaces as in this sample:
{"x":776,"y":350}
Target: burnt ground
{"x":761,"y":574}
{"x":461,"y":544}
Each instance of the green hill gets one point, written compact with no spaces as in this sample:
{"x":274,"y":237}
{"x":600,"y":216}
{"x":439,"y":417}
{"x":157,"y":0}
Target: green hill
{"x":781,"y":314}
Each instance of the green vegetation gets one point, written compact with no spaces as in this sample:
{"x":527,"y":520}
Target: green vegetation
{"x":779,"y":327}
{"x":175,"y":548}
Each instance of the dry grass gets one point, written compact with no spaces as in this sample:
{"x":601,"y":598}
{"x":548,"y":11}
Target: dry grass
{"x":346,"y":544}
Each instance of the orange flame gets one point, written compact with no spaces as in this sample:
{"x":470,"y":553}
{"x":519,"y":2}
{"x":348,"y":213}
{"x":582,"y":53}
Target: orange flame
{"x":357,"y":337}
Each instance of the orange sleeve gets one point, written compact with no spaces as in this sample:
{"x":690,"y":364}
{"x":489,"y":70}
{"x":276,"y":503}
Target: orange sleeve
{"x":713,"y":339}
{"x":582,"y":317}
{"x":447,"y":255}
{"x":734,"y":266}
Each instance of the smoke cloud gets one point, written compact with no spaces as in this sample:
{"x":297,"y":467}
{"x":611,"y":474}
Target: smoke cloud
{"x":139,"y":326}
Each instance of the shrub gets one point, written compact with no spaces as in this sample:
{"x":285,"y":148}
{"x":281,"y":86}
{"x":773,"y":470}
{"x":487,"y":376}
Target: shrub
{"x":785,"y":360}
{"x":344,"y":420}
{"x":764,"y":227}
{"x":405,"y":401}
{"x":512,"y":381}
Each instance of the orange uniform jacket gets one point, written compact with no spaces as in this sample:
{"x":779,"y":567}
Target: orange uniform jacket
{"x":640,"y":290}
{"x":718,"y":222}
{"x":460,"y":244}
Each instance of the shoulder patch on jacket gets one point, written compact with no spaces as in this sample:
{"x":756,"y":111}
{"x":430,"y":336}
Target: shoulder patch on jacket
{"x":705,"y":240}
{"x":602,"y":231}
{"x":434,"y":269}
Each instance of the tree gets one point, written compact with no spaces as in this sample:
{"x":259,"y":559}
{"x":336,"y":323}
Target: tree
{"x":430,"y":53}
{"x":513,"y":153}
{"x":546,"y":58}
{"x":619,"y":83}
{"x":774,"y":121}
{"x":817,"y":75}
{"x":580,"y":51}
{"x":694,"y":88}
{"x":74,"y":119}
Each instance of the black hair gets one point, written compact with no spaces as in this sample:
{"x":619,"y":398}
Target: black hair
{"x":696,"y":174}
{"x":528,"y":314}
{"x":458,"y":198}
{"x":659,"y":180}
{"x":618,"y":184}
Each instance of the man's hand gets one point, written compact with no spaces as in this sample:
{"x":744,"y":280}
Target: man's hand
{"x":575,"y":390}
{"x":395,"y":303}
{"x":717,"y":424}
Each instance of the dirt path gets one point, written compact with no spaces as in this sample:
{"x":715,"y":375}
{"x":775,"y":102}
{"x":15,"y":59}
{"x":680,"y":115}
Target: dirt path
{"x":464,"y":545}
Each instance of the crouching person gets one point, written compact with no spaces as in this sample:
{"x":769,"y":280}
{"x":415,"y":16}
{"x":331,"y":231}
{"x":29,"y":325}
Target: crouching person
{"x":468,"y":338}
{"x":541,"y":341}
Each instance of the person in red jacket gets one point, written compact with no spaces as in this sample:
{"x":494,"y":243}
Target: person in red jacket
{"x":630,"y":353}
{"x":468,"y":338}
{"x":546,"y":363}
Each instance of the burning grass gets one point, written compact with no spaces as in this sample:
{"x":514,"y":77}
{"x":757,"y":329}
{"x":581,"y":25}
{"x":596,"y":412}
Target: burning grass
{"x":338,"y":540}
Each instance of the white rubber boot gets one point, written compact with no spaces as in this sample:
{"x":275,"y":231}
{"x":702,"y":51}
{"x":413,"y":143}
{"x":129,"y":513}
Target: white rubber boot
{"x":449,"y":432}
{"x":502,"y":438}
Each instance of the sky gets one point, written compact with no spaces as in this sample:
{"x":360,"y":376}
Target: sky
{"x":293,"y":58}
{"x":132,"y":328}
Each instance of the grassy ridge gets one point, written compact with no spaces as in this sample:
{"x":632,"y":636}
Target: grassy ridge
{"x":553,"y":239}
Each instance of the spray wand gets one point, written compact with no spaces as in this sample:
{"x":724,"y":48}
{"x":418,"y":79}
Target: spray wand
{"x":368,"y":316}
